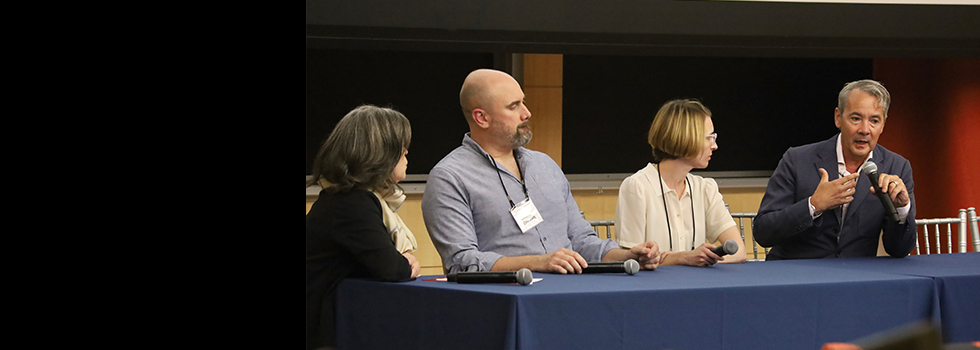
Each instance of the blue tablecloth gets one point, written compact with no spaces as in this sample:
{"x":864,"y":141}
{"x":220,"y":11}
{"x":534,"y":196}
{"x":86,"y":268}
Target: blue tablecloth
{"x":956,"y":278}
{"x":756,"y":305}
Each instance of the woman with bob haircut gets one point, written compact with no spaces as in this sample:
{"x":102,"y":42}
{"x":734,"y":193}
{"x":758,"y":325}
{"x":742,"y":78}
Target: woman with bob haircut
{"x":352,"y":229}
{"x":663,"y":202}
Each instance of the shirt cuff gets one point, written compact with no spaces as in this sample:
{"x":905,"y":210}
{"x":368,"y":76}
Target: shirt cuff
{"x":903,"y":212}
{"x":813,"y":209}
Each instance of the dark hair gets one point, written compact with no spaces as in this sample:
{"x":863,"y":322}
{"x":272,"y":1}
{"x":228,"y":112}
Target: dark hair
{"x":362,"y":150}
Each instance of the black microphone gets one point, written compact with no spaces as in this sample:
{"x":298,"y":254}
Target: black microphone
{"x":871,"y":170}
{"x":630,"y":267}
{"x":730,"y":247}
{"x":522,"y":277}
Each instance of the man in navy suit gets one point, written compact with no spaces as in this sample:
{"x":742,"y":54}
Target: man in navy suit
{"x":818,"y":206}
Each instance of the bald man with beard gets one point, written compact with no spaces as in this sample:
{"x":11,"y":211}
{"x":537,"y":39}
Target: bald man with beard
{"x":493,"y":205}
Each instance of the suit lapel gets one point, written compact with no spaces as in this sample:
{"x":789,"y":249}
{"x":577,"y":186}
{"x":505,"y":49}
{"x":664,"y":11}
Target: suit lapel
{"x":827,"y":159}
{"x":862,"y":189}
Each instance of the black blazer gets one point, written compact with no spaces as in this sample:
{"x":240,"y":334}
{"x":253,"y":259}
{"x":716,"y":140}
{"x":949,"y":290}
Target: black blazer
{"x":345,"y":237}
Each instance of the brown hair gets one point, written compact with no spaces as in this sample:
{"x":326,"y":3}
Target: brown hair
{"x":677,"y":130}
{"x":363,"y":150}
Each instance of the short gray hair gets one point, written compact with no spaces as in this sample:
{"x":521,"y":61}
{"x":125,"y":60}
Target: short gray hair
{"x":871,"y":87}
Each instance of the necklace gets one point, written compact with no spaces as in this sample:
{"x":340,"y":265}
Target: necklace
{"x":493,"y":163}
{"x":670,"y":236}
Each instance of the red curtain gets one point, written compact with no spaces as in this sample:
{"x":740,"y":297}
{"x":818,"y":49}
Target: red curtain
{"x":934,"y":122}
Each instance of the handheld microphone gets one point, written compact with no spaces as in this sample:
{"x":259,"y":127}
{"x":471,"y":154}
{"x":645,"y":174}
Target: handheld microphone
{"x":630,"y":267}
{"x":871,"y":170}
{"x":522,"y":277}
{"x":730,"y":247}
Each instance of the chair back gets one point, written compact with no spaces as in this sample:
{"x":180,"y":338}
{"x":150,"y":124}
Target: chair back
{"x":608,"y":224}
{"x":972,"y":219}
{"x":937,"y":232}
{"x":741,"y":219}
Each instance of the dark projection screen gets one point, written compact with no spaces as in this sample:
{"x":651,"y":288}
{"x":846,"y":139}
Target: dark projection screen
{"x":422,"y":85}
{"x":760,"y":106}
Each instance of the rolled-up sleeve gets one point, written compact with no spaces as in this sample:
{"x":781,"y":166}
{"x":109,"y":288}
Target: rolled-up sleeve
{"x":584,"y":239}
{"x":449,"y":220}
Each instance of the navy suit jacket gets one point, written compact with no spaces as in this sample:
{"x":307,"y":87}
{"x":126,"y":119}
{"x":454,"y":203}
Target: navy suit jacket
{"x":784,"y":222}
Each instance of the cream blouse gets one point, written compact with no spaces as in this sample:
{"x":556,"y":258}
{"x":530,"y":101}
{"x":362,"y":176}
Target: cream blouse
{"x":400,"y":234}
{"x":640,"y":215}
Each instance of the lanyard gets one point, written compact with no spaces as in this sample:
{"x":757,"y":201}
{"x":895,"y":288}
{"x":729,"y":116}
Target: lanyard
{"x":493,"y":163}
{"x":690,"y":192}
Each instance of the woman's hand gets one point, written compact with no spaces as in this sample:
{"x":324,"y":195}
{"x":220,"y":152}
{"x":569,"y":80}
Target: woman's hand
{"x":700,"y":256}
{"x":647,"y":254}
{"x":414,"y":262}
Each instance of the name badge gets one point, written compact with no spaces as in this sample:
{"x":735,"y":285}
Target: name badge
{"x":526,"y":215}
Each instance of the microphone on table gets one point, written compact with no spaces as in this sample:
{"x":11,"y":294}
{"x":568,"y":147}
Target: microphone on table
{"x":522,"y":277}
{"x":871,"y":170}
{"x":730,"y":247}
{"x":630,"y":267}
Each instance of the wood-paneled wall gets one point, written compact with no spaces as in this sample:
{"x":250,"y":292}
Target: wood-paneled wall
{"x":543,"y":95}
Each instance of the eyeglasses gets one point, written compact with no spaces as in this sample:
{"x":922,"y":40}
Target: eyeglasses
{"x":713,"y":137}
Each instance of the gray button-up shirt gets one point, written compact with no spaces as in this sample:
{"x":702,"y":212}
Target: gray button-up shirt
{"x":468,"y":215}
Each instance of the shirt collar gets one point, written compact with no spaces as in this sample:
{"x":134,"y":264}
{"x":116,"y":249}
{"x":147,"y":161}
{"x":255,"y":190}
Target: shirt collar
{"x":468,"y":140}
{"x":654,"y":176}
{"x":840,"y":157}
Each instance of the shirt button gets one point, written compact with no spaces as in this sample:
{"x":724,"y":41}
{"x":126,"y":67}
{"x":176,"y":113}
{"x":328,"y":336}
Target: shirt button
{"x":546,"y":238}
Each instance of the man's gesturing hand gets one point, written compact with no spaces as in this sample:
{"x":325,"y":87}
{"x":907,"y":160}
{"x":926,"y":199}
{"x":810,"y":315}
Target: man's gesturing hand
{"x":832,"y":194}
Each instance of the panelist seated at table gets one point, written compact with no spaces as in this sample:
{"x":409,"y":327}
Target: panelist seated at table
{"x":493,"y":205}
{"x":665,"y":203}
{"x":352,"y":229}
{"x":817,"y":203}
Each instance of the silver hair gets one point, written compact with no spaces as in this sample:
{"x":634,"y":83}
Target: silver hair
{"x":871,"y":87}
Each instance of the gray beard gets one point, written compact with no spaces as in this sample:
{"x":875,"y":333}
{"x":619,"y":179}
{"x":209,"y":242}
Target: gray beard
{"x":520,"y":139}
